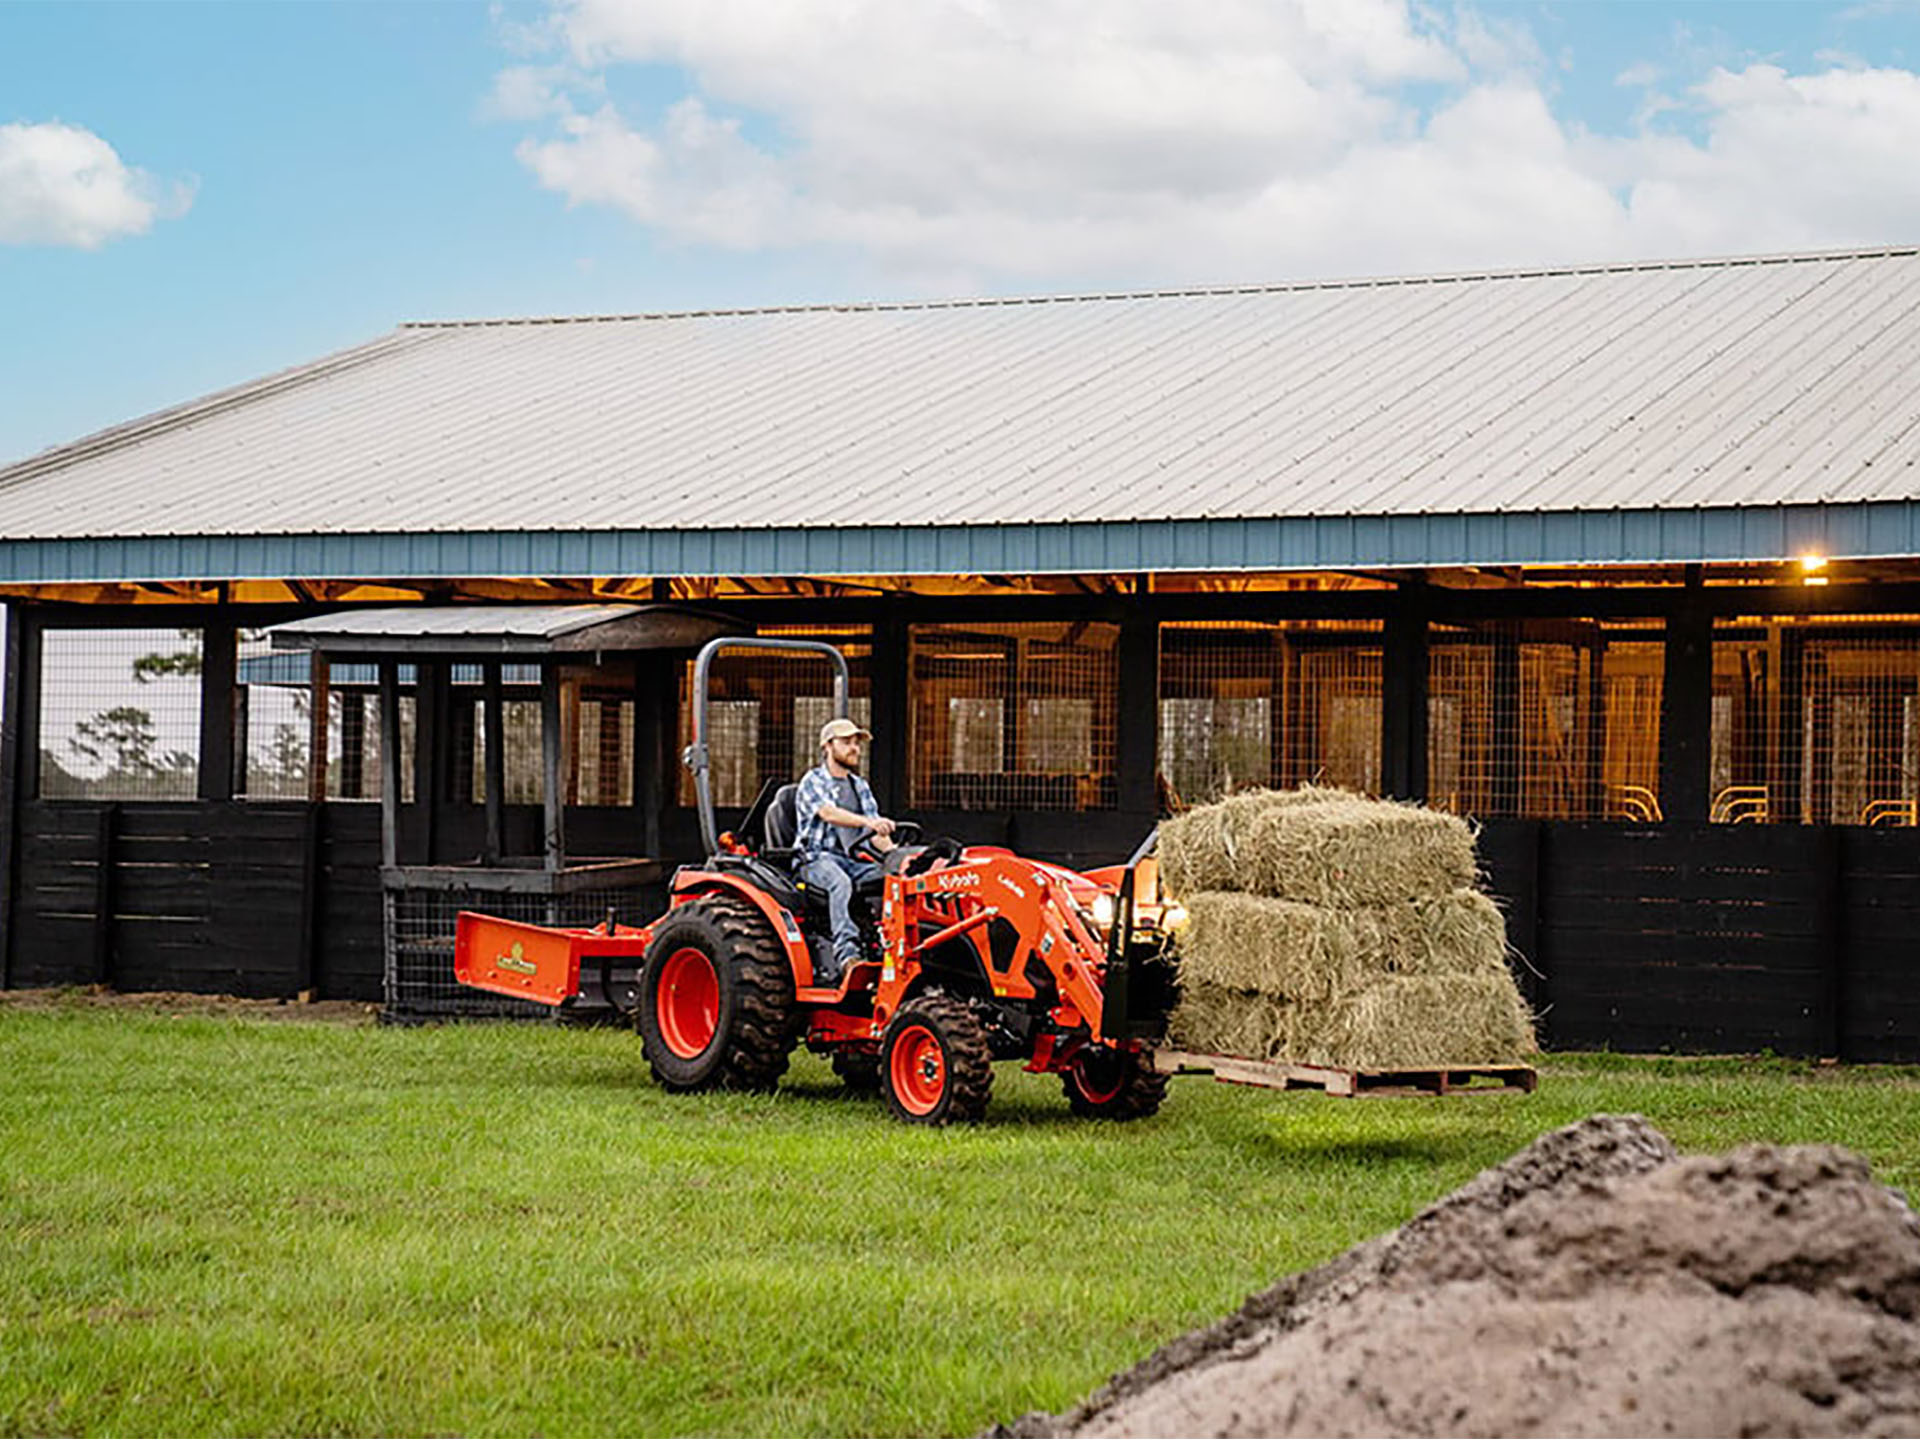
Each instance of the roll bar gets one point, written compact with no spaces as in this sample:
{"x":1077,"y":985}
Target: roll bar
{"x":697,"y":756}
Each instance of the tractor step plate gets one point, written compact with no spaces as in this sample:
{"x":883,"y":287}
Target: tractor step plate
{"x":1334,"y":1080}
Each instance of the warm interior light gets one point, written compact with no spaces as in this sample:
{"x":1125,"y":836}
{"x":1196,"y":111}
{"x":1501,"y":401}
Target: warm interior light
{"x":1813,"y":569}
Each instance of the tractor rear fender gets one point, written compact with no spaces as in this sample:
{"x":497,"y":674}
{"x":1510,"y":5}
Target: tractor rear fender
{"x":690,"y":885}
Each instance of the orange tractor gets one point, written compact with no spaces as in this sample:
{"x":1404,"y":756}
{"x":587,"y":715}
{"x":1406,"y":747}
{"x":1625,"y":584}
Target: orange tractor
{"x":970,"y":955}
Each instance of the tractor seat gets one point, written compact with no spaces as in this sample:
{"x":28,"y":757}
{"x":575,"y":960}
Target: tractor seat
{"x":782,"y":825}
{"x":782,"y":822}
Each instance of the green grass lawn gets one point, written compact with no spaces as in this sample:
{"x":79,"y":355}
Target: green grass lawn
{"x":230,"y":1226}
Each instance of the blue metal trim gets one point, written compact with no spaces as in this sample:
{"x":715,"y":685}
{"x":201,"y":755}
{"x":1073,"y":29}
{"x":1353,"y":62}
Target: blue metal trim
{"x":1600,"y":537}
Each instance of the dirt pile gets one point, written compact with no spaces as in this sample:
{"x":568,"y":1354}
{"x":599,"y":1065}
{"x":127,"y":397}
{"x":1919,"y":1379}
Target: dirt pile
{"x":1594,"y":1284}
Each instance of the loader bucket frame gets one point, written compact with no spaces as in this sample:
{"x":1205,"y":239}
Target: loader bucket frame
{"x":698,"y":756}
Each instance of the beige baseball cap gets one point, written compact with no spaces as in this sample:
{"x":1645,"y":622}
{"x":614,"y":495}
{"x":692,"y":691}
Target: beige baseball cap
{"x":842,"y":729}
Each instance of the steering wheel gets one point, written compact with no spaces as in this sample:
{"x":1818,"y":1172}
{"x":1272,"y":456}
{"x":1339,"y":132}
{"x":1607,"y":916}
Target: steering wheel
{"x":905,"y":832}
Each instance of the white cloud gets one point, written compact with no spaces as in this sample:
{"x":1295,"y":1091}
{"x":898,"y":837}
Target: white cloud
{"x":63,"y":185}
{"x":1131,"y":142}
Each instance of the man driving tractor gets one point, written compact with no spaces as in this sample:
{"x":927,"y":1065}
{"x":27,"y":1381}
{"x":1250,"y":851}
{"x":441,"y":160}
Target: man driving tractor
{"x":838,"y":816}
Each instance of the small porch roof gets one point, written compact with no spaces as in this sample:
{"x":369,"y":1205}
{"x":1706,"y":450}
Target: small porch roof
{"x":526,"y":631}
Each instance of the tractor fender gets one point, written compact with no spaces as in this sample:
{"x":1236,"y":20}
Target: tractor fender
{"x":690,"y":885}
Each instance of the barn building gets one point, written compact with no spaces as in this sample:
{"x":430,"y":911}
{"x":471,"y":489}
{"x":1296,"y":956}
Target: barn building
{"x":1623,"y":562}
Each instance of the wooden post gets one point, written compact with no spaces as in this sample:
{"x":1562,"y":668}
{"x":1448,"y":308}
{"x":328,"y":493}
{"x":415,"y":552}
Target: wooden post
{"x":1403,"y":698}
{"x":222,"y":769}
{"x":1137,"y":711}
{"x":1686,"y":707}
{"x":319,"y":703}
{"x":569,"y":688}
{"x":656,"y":709}
{"x":16,"y":729}
{"x":552,"y":741}
{"x":429,"y":745}
{"x":494,"y":762}
{"x":389,"y":763}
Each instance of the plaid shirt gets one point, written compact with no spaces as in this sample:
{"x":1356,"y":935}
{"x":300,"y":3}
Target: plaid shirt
{"x":815,"y":836}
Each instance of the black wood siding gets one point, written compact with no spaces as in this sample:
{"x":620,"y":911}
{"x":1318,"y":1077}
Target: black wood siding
{"x":1691,"y":938}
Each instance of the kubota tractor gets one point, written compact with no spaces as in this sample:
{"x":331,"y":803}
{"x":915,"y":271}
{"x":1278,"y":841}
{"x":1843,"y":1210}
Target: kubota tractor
{"x":971,"y":954}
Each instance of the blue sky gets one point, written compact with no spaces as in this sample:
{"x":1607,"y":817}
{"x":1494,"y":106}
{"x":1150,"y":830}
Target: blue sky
{"x":260,"y":184}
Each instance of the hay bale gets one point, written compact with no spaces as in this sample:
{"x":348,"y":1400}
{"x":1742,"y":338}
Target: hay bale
{"x":1399,"y":1022}
{"x":1311,"y":953}
{"x":1318,"y":847}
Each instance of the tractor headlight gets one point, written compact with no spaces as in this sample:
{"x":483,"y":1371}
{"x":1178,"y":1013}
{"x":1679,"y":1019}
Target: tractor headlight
{"x":1103,"y":911}
{"x":1174,"y":917}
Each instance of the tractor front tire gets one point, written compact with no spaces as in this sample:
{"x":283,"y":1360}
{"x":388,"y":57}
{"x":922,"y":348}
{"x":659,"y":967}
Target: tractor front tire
{"x":935,"y":1064}
{"x":1107,"y":1084}
{"x":716,"y":999}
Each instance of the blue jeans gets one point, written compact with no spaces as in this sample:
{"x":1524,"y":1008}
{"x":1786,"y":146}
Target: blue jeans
{"x":837,"y":874}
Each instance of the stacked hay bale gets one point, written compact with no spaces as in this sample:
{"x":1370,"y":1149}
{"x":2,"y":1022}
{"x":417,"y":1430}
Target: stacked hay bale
{"x":1333,"y":929}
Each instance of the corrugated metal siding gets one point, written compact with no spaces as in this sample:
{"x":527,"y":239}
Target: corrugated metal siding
{"x":1692,"y":388}
{"x":1300,"y":543}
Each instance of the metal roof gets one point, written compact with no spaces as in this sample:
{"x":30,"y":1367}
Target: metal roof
{"x":1687,"y":410}
{"x":502,"y":630}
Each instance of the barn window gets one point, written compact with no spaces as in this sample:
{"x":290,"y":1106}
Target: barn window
{"x":120,"y":714}
{"x":1816,"y":721}
{"x":1551,"y":719}
{"x":1013,"y":717}
{"x":1268,"y":704}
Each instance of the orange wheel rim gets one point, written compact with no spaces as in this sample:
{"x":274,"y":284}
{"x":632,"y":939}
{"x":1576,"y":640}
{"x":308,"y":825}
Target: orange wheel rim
{"x":1100,"y":1077}
{"x":687,"y":1001}
{"x":919,"y":1069}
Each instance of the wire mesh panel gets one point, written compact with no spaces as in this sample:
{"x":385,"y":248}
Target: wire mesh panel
{"x":1268,"y":704}
{"x":1544,"y":719}
{"x":601,"y":768}
{"x":419,"y":932}
{"x":765,"y":709}
{"x":120,"y":714}
{"x":1816,"y":721}
{"x":274,"y":732}
{"x":524,"y":775}
{"x":1018,"y":716}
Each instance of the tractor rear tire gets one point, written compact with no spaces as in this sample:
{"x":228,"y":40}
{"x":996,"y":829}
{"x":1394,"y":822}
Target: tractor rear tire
{"x":935,"y":1065}
{"x":1106,"y":1084}
{"x":716,"y":998}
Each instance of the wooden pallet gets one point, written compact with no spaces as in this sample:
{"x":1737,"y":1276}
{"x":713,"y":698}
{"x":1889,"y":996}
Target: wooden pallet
{"x":1334,"y":1080}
